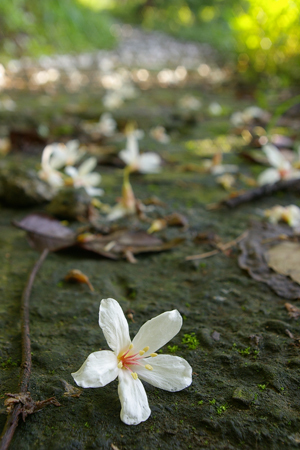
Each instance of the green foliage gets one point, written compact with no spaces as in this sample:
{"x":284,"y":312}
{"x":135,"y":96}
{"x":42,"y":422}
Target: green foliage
{"x":33,"y":27}
{"x":191,"y":341}
{"x":172,"y":348}
{"x":260,"y":37}
{"x":267,"y":35}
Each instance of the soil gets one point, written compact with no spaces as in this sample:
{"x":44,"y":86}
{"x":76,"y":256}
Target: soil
{"x":246,"y":368}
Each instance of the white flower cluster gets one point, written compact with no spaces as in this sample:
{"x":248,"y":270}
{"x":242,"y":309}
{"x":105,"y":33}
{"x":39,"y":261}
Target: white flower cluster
{"x":57,"y":156}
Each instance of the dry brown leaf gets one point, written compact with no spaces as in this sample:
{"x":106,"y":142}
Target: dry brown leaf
{"x":71,"y":391}
{"x":284,"y":258}
{"x":120,"y":243}
{"x":293,"y":311}
{"x":262,"y":236}
{"x":44,"y":231}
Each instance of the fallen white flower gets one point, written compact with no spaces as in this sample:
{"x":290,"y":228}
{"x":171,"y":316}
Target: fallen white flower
{"x":146,"y":163}
{"x":282,"y":168}
{"x":130,"y":361}
{"x":84,"y":177}
{"x":190,"y":102}
{"x":289,"y":214}
{"x":49,"y":172}
{"x":107,"y":125}
{"x":126,"y":206}
{"x":65,"y":154}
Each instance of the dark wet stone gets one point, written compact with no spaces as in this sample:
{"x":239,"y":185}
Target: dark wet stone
{"x":22,"y":188}
{"x":244,"y":395}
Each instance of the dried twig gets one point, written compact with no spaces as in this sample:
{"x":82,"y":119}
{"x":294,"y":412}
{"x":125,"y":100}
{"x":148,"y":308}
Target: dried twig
{"x":221,"y":248}
{"x":262,"y":191}
{"x":17,"y":407}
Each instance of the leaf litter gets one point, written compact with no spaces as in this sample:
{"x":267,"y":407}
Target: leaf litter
{"x":44,"y":231}
{"x":256,"y":249}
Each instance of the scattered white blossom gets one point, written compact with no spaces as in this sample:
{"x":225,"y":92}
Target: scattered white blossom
{"x":65,"y":154}
{"x":226,"y":181}
{"x":215,"y":109}
{"x":160,"y":135}
{"x":105,"y":127}
{"x":190,"y":103}
{"x":289,"y":214}
{"x":282,"y":168}
{"x":84,"y":177}
{"x":49,"y":172}
{"x":135,"y":361}
{"x":146,"y":163}
{"x":126,"y":206}
{"x":250,"y":114}
{"x":215,"y":166}
{"x":112,"y":100}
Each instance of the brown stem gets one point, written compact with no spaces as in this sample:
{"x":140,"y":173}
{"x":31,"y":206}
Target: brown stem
{"x":262,"y":191}
{"x":13,"y":417}
{"x":221,"y":248}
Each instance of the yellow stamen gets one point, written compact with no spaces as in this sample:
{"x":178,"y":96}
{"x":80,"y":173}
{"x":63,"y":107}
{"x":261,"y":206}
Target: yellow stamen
{"x":146,"y":349}
{"x":148,"y":367}
{"x":141,"y":352}
{"x":130,"y":346}
{"x":120,"y":365}
{"x":153,"y":355}
{"x":134,"y":375}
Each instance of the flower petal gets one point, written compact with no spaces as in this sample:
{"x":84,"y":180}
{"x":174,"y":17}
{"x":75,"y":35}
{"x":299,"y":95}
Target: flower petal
{"x":87,"y":166}
{"x":71,"y":171}
{"x":158,"y":331}
{"x":268,"y":176}
{"x":94,"y":192}
{"x":170,"y":373}
{"x":114,"y":325}
{"x":149,"y":163}
{"x":275,"y":157}
{"x":92,"y":179}
{"x":99,"y":369}
{"x":133,"y":398}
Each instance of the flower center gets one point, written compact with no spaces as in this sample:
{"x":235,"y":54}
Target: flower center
{"x":131,"y":358}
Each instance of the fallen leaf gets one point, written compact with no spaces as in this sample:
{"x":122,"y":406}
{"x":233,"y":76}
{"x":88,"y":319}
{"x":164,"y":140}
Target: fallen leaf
{"x":70,"y":391}
{"x":284,"y":258}
{"x":255,"y":247}
{"x":293,"y":311}
{"x":46,"y":232}
{"x":29,"y":406}
{"x":115,"y":245}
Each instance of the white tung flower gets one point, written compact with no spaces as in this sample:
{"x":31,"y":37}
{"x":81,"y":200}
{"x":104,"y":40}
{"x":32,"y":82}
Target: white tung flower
{"x":66,"y":154}
{"x":146,"y":163}
{"x":282,"y":168}
{"x":84,"y":177}
{"x":289,"y":214}
{"x":49,"y":172}
{"x":132,"y":361}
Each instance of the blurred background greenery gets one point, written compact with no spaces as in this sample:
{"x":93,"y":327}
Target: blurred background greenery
{"x":256,"y":38}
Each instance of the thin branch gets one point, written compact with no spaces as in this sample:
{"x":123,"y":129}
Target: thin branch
{"x":221,"y":248}
{"x":13,"y":417}
{"x":262,"y":191}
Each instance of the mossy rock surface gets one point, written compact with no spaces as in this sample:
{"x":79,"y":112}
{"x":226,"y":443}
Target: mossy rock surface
{"x":224,"y":408}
